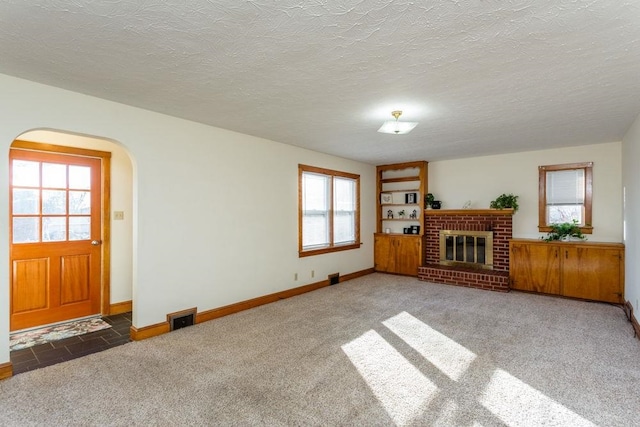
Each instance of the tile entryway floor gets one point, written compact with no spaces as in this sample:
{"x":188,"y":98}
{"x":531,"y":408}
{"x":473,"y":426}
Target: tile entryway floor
{"x":54,"y":352}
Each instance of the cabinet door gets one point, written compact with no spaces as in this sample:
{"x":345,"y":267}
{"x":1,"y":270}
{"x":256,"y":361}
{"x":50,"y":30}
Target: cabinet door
{"x":383,"y":254}
{"x":535,"y":267}
{"x":408,"y":255}
{"x":592,"y":273}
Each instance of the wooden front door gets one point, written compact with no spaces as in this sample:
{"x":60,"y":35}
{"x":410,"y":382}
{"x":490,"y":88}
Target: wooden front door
{"x":55,"y":206}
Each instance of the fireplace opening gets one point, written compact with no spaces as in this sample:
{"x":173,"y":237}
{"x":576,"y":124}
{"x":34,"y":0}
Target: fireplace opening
{"x":467,"y":248}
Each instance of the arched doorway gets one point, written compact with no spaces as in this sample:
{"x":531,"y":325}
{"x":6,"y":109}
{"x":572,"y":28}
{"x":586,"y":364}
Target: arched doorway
{"x":116,"y":281}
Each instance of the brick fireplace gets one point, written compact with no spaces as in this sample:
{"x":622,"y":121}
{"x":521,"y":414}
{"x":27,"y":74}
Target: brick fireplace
{"x":474,"y":220}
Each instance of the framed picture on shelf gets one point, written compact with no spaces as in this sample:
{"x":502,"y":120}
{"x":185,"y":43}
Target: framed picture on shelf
{"x":410,"y":198}
{"x":386,"y":198}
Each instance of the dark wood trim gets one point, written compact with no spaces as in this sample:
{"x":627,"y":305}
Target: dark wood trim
{"x":145,"y":332}
{"x":493,"y":212}
{"x":329,"y":249}
{"x":256,"y":302}
{"x":37,"y":146}
{"x":162,"y":328}
{"x":121,"y":307}
{"x":357,"y":274}
{"x":106,"y":235}
{"x":6,"y":370}
{"x":406,"y":165}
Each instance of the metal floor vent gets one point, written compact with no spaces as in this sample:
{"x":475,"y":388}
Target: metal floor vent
{"x":182,"y":319}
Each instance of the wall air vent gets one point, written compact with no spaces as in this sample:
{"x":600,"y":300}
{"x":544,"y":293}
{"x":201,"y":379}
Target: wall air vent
{"x":182,"y":319}
{"x":334,"y":279}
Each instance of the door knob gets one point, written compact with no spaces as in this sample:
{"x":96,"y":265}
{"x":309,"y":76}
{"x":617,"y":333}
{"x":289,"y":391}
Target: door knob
{"x":96,"y":242}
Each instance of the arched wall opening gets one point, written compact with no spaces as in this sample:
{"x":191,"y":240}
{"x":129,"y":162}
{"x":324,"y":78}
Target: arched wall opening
{"x":121,"y":263}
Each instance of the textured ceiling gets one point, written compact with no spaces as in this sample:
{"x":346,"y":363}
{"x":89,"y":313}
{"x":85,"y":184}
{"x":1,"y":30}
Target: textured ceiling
{"x":480,"y":77}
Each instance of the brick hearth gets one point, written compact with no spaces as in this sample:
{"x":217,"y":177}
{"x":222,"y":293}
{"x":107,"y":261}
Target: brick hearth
{"x":498,"y":221}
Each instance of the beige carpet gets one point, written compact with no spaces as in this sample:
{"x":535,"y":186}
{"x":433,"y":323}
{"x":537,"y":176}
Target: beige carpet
{"x":379,"y":350}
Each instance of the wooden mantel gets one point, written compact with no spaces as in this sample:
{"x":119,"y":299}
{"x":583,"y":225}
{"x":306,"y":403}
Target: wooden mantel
{"x":496,"y":212}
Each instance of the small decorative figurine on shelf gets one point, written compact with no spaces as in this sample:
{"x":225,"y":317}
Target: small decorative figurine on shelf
{"x":389,"y":214}
{"x":414,"y":214}
{"x":401,"y":214}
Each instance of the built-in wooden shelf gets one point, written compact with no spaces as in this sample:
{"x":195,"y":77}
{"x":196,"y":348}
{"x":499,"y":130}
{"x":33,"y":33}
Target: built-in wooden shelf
{"x":496,"y":212}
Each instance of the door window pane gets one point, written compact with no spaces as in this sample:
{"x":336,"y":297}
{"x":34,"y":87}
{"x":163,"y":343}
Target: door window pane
{"x":54,"y":175}
{"x":25,"y":173}
{"x":54,"y":202}
{"x":80,"y":177}
{"x":26,"y":201}
{"x":25,"y":230}
{"x":54,"y":229}
{"x":79,"y":228}
{"x":79,"y":202}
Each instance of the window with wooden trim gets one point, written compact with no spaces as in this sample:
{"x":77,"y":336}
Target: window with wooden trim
{"x":328,"y":210}
{"x":565,"y":195}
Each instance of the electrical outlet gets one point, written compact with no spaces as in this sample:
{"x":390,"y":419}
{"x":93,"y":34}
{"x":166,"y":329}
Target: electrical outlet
{"x":118,"y":215}
{"x":295,"y":276}
{"x":313,"y":274}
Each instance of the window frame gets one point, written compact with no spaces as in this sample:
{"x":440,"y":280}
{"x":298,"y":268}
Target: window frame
{"x":332,"y":247}
{"x":543,"y":227}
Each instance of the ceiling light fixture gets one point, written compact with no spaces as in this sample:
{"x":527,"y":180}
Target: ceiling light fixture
{"x":395,"y":126}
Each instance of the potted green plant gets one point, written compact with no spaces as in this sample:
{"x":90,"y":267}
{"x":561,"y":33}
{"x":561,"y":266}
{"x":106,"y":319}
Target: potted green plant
{"x":428,"y":199}
{"x":505,"y":201}
{"x":401,"y":213}
{"x":565,"y":231}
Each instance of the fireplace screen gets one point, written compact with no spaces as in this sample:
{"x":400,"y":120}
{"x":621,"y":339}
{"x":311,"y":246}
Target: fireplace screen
{"x":466,"y":248}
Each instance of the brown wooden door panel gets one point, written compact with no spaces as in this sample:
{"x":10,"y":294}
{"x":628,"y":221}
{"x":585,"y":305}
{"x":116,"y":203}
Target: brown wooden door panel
{"x":535,"y":268}
{"x":382,"y":253}
{"x":408,"y":255}
{"x":30,"y":285}
{"x":592,"y":273}
{"x":55,"y":216}
{"x":75,"y":278}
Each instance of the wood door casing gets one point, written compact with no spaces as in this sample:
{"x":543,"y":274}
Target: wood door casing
{"x":57,"y":280}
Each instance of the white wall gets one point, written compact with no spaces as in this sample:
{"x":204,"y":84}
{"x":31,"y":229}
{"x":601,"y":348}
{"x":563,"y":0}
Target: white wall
{"x":121,"y":270}
{"x":482,"y":179}
{"x":214,"y":211}
{"x":631,"y":186}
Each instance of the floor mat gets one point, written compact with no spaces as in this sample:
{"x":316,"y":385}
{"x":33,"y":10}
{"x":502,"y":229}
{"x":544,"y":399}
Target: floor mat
{"x":26,"y":339}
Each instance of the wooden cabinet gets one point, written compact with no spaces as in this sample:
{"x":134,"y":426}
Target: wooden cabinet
{"x":401,"y":188}
{"x":400,"y":254}
{"x":588,"y":270}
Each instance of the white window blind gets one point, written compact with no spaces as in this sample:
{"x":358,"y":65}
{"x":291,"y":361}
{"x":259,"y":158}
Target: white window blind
{"x":565,"y":187}
{"x":565,"y":196}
